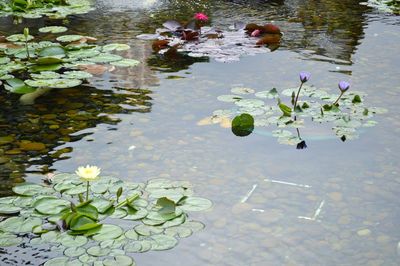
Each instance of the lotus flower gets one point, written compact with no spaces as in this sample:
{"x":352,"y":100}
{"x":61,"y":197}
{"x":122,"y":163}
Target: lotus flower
{"x":304,"y":76}
{"x":344,"y":86}
{"x":201,"y":16}
{"x":88,"y":173}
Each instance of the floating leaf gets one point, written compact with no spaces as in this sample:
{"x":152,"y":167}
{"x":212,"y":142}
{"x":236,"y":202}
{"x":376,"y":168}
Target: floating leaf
{"x":167,"y":206}
{"x":51,"y":205}
{"x":69,"y":38}
{"x":60,"y":261}
{"x":19,"y":38}
{"x":115,"y":46}
{"x":126,"y":63}
{"x":30,"y":189}
{"x":74,"y":251}
{"x":20,"y":224}
{"x":56,"y":51}
{"x":195,"y":204}
{"x":46,"y":75}
{"x":76,"y":75}
{"x":18,"y":86}
{"x":7,"y":240}
{"x":54,"y":83}
{"x":108,"y":231}
{"x":120,"y":260}
{"x":98,"y":251}
{"x":105,"y":58}
{"x":53,"y":29}
{"x":9,"y":209}
{"x":163,"y":242}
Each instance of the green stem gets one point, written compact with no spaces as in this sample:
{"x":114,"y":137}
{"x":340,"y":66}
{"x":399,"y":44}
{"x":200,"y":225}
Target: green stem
{"x":26,"y":47}
{"x":123,"y":203}
{"x":87,"y":191}
{"x":297,"y":96}
{"x":337,"y":100}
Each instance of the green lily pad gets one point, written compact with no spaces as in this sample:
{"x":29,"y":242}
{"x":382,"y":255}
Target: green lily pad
{"x":9,"y":209}
{"x":74,"y":251}
{"x":69,"y":38}
{"x":105,"y":58}
{"x":76,"y":75}
{"x":243,"y":125}
{"x":54,"y":83}
{"x":126,"y":63}
{"x":163,"y":242}
{"x":97,"y":251}
{"x":52,"y":51}
{"x":40,"y":68}
{"x":30,"y":189}
{"x":59,"y":261}
{"x":115,"y":46}
{"x":195,"y":204}
{"x":120,"y":260}
{"x":4,"y":60}
{"x":72,"y":241}
{"x":8,"y":240}
{"x":19,"y":38}
{"x":146,"y":230}
{"x":53,"y":29}
{"x":51,"y":205}
{"x":46,"y":75}
{"x":108,"y":231}
{"x":20,"y":224}
{"x":18,"y":86}
{"x":85,"y":53}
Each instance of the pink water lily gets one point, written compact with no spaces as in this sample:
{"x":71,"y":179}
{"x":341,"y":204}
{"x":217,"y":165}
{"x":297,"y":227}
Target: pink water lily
{"x":201,"y":16}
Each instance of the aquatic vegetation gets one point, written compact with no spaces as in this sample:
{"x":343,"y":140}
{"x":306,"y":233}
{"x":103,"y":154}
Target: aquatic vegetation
{"x":389,"y":6}
{"x":33,"y":68}
{"x":347,"y":112}
{"x":57,"y":9}
{"x":120,"y":218}
{"x":198,"y":40}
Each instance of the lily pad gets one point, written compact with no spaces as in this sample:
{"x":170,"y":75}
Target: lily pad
{"x":30,"y":189}
{"x":54,"y":83}
{"x":126,"y":63}
{"x":115,"y":46}
{"x":105,"y":58}
{"x":69,"y":38}
{"x":46,"y":75}
{"x":195,"y":204}
{"x":76,"y":75}
{"x":163,"y":242}
{"x":56,"y":51}
{"x":20,"y":224}
{"x":53,"y":29}
{"x":51,"y":205}
{"x":108,"y":231}
{"x":120,"y":260}
{"x":18,"y":86}
{"x":7,"y":240}
{"x":19,"y":38}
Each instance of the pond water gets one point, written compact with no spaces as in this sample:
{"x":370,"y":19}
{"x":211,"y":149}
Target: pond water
{"x":142,"y":123}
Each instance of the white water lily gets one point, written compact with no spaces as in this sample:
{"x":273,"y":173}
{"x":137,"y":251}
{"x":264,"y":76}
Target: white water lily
{"x":88,"y":173}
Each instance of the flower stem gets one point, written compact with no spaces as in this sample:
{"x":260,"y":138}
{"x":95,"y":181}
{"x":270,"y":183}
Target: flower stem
{"x":297,"y":96}
{"x":337,"y":100}
{"x":87,"y":191}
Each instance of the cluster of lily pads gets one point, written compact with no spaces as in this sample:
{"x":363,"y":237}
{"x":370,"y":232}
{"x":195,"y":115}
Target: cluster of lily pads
{"x":119,"y":218}
{"x":55,"y":9}
{"x":347,"y":112}
{"x":198,"y":40}
{"x":27,"y":66}
{"x":389,"y":6}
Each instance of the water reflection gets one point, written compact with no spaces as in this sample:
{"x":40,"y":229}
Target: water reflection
{"x":39,"y":134}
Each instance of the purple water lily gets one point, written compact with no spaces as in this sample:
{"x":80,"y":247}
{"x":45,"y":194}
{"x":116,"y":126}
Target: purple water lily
{"x":344,"y":86}
{"x":304,"y":76}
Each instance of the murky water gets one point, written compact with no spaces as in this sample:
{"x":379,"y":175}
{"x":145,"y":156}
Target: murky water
{"x":142,"y":123}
